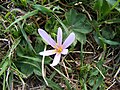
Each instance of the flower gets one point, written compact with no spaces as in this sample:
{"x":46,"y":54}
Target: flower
{"x":59,"y":48}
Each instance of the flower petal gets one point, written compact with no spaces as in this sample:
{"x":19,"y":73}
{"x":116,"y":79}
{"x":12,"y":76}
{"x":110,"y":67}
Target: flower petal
{"x":56,"y":60}
{"x":48,"y":52}
{"x":69,"y":40}
{"x":46,"y":37}
{"x":59,"y":36}
{"x":65,"y":51}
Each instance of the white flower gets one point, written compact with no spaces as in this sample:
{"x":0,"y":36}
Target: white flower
{"x":59,"y":48}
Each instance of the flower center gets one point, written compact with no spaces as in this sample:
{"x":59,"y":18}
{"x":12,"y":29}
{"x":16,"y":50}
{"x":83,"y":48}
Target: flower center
{"x":59,"y":49}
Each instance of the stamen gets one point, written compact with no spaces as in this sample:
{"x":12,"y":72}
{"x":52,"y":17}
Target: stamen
{"x":58,"y":49}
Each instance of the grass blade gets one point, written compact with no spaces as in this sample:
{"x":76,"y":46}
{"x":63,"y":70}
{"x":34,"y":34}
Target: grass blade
{"x":24,"y":17}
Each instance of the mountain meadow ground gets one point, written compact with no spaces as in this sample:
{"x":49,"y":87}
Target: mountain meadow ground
{"x":60,"y":44}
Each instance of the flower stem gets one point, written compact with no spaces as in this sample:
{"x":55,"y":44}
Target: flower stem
{"x":43,"y":74}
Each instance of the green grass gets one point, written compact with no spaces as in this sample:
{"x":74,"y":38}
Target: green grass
{"x":93,"y":61}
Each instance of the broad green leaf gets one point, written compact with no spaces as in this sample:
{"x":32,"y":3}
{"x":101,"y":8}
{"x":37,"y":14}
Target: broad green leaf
{"x":80,"y":37}
{"x":28,"y":67}
{"x":18,"y":72}
{"x":77,"y":22}
{"x":109,"y":41}
{"x":24,"y":17}
{"x":70,"y":17}
{"x":108,"y":33}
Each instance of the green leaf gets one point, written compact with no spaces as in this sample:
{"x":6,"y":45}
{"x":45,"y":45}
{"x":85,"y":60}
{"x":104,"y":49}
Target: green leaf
{"x":51,"y":25}
{"x":43,"y":9}
{"x":37,"y":72}
{"x":77,"y":22}
{"x":94,"y":72}
{"x":31,"y":58}
{"x":83,"y":84}
{"x":98,"y":4}
{"x":28,"y":67}
{"x":26,"y":38}
{"x":70,"y":16}
{"x":102,"y":8}
{"x":80,"y":37}
{"x":109,"y":41}
{"x":114,"y":20}
{"x":108,"y":33}
{"x":4,"y":67}
{"x":53,"y":85}
{"x":99,"y":42}
{"x":105,"y":9}
{"x":115,"y":4}
{"x":68,"y":85}
{"x":98,"y":83}
{"x":91,"y":82}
